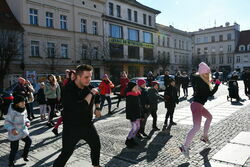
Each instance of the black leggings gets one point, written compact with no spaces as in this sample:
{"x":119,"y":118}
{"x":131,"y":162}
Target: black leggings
{"x":14,"y":147}
{"x":170,"y":114}
{"x":153,"y":113}
{"x":185,"y":91}
{"x":71,"y":137}
{"x":52,"y":103}
{"x":103,"y":97}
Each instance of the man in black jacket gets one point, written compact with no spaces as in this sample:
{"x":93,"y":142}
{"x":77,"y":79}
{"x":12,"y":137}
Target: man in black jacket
{"x":78,"y":100}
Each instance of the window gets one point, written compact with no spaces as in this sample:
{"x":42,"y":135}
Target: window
{"x":221,"y":48}
{"x":248,"y":47}
{"x":159,"y":54}
{"x":198,"y":40}
{"x":213,"y":60}
{"x":63,"y":22}
{"x":129,"y":15}
{"x":168,"y":41}
{"x":182,"y":44}
{"x":205,"y":50}
{"x":35,"y":49}
{"x":186,"y":45}
{"x":111,"y":9}
{"x":51,"y":49}
{"x":133,"y":52}
{"x":94,"y":28}
{"x":175,"y":58}
{"x":133,"y":34}
{"x":149,"y":20}
{"x":198,"y":51}
{"x":144,"y":19}
{"x":163,"y":41}
{"x":205,"y":39}
{"x":49,"y":19}
{"x":135,"y":16}
{"x":237,"y":59}
{"x":159,"y":40}
{"x":83,"y":25}
{"x":229,"y":59}
{"x":64,"y":51}
{"x":118,"y":11}
{"x":148,"y":54}
{"x":229,"y":36}
{"x":229,"y":48}
{"x":221,"y":60}
{"x":115,"y":31}
{"x":213,"y":39}
{"x":246,"y":58}
{"x":175,"y":43}
{"x":33,"y":16}
{"x":213,"y":49}
{"x":116,"y":50}
{"x":242,"y":48}
{"x":95,"y":53}
{"x":148,"y":37}
{"x":221,"y":38}
{"x":179,"y":44}
{"x":84,"y":51}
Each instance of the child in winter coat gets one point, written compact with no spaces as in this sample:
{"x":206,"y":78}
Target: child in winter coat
{"x":133,"y":112}
{"x":42,"y":101}
{"x":171,"y":99}
{"x":17,"y":123}
{"x":154,"y":98}
{"x":105,"y":90}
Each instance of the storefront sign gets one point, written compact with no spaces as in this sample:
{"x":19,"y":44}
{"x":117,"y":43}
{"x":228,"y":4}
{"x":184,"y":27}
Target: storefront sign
{"x":130,"y":43}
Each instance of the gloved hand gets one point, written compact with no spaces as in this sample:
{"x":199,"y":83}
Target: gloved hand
{"x":217,"y":82}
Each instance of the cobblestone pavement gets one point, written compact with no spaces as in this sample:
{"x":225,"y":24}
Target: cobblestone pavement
{"x":161,"y":150}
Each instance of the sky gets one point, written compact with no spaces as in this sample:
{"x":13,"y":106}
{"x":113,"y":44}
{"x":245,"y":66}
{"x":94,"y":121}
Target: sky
{"x":191,"y":15}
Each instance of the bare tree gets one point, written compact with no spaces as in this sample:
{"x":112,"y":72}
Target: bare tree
{"x":164,"y":61}
{"x":10,"y":49}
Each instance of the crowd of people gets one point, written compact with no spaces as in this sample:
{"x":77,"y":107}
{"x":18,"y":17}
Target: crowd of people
{"x":78,"y":101}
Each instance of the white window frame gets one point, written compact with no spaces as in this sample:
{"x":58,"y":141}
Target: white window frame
{"x":33,"y":16}
{"x":83,"y":25}
{"x":64,"y":51}
{"x":94,"y":28}
{"x":34,"y":48}
{"x":63,"y":22}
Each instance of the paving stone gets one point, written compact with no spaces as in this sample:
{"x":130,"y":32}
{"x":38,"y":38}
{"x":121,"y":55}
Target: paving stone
{"x":242,"y":138}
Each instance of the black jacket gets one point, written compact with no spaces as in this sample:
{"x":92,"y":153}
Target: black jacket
{"x":41,"y":96}
{"x":170,"y":96}
{"x":77,"y":111}
{"x":203,"y":91}
{"x":184,"y":81}
{"x":144,"y":99}
{"x":153,"y":97}
{"x":166,"y":80}
{"x":133,"y":107}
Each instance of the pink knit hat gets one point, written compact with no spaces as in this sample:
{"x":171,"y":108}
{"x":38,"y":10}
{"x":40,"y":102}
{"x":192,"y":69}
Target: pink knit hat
{"x":141,"y":82}
{"x":203,"y":68}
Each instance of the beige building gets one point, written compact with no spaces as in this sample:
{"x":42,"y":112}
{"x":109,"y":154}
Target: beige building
{"x":60,"y":34}
{"x":130,"y":37}
{"x":174,"y":48}
{"x":216,"y":46}
{"x":242,"y":52}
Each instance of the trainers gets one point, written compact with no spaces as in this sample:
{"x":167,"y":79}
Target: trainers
{"x":173,"y":123}
{"x":185,"y":151}
{"x":156,"y":128}
{"x":205,"y":139}
{"x":55,"y":131}
{"x":144,"y":134}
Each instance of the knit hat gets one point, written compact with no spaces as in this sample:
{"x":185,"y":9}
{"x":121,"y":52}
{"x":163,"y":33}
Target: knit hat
{"x":141,"y":82}
{"x":153,"y":83}
{"x":130,"y":86}
{"x":203,"y":68}
{"x":18,"y":99}
{"x":21,"y":80}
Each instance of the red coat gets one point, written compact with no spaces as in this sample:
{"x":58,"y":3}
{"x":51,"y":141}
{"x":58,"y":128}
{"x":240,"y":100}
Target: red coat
{"x":105,"y":88}
{"x":123,"y":82}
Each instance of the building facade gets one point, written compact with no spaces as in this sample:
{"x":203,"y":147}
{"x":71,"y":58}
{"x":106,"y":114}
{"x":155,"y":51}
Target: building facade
{"x":174,"y":49}
{"x":242,"y":52}
{"x":130,"y":35}
{"x":60,"y":34}
{"x":216,"y":46}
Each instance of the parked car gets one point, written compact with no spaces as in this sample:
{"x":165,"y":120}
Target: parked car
{"x":160,"y":79}
{"x":135,"y":79}
{"x":95,"y":83}
{"x":234,"y":73}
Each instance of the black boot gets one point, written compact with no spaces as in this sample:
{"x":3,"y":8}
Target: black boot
{"x":134,"y":142}
{"x":11,"y":164}
{"x":55,"y":131}
{"x":129,"y":143}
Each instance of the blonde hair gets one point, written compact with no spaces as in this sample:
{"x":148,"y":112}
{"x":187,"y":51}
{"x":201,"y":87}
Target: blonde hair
{"x":207,"y":80}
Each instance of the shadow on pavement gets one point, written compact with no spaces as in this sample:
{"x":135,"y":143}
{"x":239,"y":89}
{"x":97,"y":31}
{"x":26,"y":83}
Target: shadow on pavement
{"x":184,"y":164}
{"x":205,"y":153}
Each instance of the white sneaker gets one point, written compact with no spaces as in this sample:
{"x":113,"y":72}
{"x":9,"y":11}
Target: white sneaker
{"x":185,"y":151}
{"x":205,"y":139}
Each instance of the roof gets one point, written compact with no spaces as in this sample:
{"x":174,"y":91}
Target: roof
{"x":139,"y":5}
{"x":244,"y":39}
{"x":7,"y":18}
